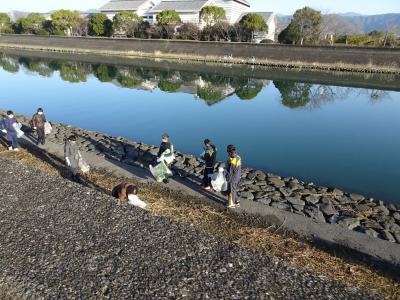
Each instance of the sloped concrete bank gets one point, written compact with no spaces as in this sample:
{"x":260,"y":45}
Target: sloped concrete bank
{"x":329,"y":215}
{"x":60,"y":240}
{"x":354,"y":59}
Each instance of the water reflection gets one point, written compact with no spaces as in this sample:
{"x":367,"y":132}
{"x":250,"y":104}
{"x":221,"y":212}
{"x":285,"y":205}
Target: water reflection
{"x":211,"y":88}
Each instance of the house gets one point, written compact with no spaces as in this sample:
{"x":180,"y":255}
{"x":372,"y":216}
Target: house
{"x":140,"y":7}
{"x":189,"y":10}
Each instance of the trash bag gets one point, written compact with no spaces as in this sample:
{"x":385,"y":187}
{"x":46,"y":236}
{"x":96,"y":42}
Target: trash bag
{"x":168,"y":156}
{"x":160,"y":172}
{"x":17,"y":127}
{"x":47,"y":128}
{"x":135,"y":201}
{"x":83,"y":166}
{"x":218,"y":181}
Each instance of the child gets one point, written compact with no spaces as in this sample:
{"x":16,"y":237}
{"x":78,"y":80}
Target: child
{"x":127,"y":192}
{"x":72,"y":156}
{"x":209,"y":157}
{"x":38,"y":123}
{"x":8,"y":126}
{"x":233,"y":175}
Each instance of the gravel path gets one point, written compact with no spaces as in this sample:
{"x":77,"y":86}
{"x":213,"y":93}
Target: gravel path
{"x":61,"y":240}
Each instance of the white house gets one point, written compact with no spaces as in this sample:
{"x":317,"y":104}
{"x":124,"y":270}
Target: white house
{"x":140,"y":7}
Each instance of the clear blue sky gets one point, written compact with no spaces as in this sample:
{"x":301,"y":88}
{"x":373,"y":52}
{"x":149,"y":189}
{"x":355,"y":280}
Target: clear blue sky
{"x":278,"y":6}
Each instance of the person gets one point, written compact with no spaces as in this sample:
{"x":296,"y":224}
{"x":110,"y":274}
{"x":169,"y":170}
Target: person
{"x":166,"y":149}
{"x":8,"y":127}
{"x":38,"y":123}
{"x":209,"y":156}
{"x":123,"y":190}
{"x":72,"y":156}
{"x":233,"y":175}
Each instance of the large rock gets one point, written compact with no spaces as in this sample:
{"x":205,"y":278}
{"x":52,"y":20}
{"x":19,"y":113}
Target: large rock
{"x":314,"y":213}
{"x":281,"y":206}
{"x":246,"y":195}
{"x":396,"y":216}
{"x":349,"y":223}
{"x":386,"y":235}
{"x":312,"y":199}
{"x":357,"y":197}
{"x":296,"y":201}
{"x":382,"y":209}
{"x":328,"y":209}
{"x":277,"y":182}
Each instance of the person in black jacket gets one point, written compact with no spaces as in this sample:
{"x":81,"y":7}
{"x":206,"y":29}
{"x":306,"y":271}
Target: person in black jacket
{"x":209,"y":157}
{"x":165,"y":145}
{"x":38,"y":123}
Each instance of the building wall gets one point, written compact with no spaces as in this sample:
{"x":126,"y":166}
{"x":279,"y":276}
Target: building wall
{"x":270,"y":35}
{"x":233,"y":9}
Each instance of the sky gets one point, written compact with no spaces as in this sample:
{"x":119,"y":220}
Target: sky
{"x":279,"y":6}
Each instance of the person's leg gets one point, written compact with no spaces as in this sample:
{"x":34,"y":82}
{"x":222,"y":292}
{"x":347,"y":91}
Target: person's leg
{"x":41,"y":135}
{"x":210,"y":172}
{"x":205,"y":176}
{"x":14,"y":141}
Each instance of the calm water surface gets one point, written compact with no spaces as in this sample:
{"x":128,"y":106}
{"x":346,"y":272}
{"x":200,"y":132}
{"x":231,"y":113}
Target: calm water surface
{"x":331,"y":135}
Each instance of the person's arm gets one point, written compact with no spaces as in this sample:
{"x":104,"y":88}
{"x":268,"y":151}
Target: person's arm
{"x":161,"y":150}
{"x":34,"y":122}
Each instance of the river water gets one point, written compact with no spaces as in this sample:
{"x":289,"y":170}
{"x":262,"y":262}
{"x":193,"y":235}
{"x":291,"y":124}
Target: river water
{"x":330,"y":129}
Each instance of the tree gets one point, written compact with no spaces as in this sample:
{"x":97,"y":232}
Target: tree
{"x":31,"y":23}
{"x":188,"y":31}
{"x":212,"y":14}
{"x":65,"y":20}
{"x":305,"y":25}
{"x":287,"y":36}
{"x":100,"y":25}
{"x":168,"y":19}
{"x":253,"y":22}
{"x":82,"y":27}
{"x":126,"y":23}
{"x":104,"y":73}
{"x":5,"y":22}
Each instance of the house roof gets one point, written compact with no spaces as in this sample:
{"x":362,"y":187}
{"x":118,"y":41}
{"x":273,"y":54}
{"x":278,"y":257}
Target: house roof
{"x":118,"y":5}
{"x":180,"y":5}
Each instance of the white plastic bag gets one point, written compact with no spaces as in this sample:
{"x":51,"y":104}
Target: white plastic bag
{"x":168,"y":156}
{"x":218,"y":181}
{"x":135,"y":201}
{"x":17,"y":127}
{"x":47,"y":128}
{"x":83,"y":165}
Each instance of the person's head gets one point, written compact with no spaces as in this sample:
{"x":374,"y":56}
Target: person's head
{"x":207,"y":143}
{"x":40,"y":111}
{"x":72,"y":139}
{"x":10,"y":114}
{"x":165,"y":138}
{"x":231,"y":149}
{"x":131,"y":190}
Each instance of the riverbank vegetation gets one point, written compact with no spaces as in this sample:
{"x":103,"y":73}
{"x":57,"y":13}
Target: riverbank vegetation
{"x":306,"y":28}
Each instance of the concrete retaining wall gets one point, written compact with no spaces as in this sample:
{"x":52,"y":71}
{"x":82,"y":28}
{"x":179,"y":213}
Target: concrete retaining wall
{"x":351,"y":58}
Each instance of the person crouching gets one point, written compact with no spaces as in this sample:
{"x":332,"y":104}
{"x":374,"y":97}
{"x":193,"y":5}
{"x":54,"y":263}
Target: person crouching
{"x":127,"y":192}
{"x":7,"y":126}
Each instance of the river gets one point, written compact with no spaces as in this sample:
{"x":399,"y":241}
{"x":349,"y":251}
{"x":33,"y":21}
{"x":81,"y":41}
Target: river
{"x":331,"y":129}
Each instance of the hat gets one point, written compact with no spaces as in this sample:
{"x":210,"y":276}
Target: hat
{"x":231,"y":148}
{"x":165,"y":136}
{"x":206,"y":141}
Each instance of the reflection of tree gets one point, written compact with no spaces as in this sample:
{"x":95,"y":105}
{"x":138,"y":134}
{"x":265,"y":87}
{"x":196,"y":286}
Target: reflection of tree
{"x":39,"y":66}
{"x":168,"y":86}
{"x":294,"y":94}
{"x":209,"y":94}
{"x":249,"y":91}
{"x":73,"y":72}
{"x":129,"y":77}
{"x":9,"y":64}
{"x":104,"y":73}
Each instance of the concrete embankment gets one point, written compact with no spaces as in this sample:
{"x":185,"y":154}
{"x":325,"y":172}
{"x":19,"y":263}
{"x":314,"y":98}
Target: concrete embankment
{"x":326,"y":215}
{"x":356,"y":59}
{"x":62,"y":240}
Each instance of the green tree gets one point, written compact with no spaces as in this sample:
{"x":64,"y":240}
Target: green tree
{"x":168,"y":19}
{"x":249,"y":91}
{"x":294,"y":94}
{"x":209,"y":94}
{"x":188,"y":31}
{"x":65,"y":20}
{"x":100,"y":25}
{"x":104,"y":73}
{"x":306,"y":25}
{"x":253,"y":22}
{"x":31,"y":23}
{"x":72,"y":71}
{"x":212,"y":15}
{"x":127,"y":23}
{"x":287,"y":36}
{"x":5,"y":22}
{"x":9,"y":64}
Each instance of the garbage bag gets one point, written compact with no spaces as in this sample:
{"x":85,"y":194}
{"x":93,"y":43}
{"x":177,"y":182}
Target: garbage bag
{"x":160,"y":172}
{"x":135,"y":201}
{"x":218,"y":181}
{"x":83,"y":166}
{"x":47,"y":128}
{"x":17,"y":127}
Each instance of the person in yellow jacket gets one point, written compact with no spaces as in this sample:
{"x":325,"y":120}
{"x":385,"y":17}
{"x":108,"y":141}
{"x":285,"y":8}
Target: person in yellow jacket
{"x":233,"y":176}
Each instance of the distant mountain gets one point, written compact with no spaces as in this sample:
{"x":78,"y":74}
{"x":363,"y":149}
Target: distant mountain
{"x":350,"y":14}
{"x":351,"y":23}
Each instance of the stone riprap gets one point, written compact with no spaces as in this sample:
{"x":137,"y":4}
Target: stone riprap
{"x":328,"y":205}
{"x":60,"y":240}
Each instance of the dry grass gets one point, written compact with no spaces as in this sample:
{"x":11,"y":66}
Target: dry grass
{"x":217,"y":221}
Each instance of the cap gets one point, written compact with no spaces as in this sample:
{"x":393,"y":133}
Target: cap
{"x":231,"y":148}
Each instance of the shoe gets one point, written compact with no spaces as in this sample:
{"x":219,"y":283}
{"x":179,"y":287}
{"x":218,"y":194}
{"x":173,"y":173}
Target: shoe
{"x":10,"y":148}
{"x":166,"y":181}
{"x":207,"y":188}
{"x":16,"y":149}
